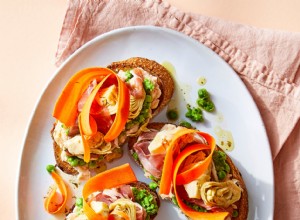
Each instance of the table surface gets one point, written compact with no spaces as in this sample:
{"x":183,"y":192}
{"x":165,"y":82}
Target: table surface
{"x":30,"y":32}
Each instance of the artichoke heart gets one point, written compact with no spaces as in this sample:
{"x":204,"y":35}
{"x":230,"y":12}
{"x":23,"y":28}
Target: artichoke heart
{"x":193,"y":188}
{"x":108,"y":97}
{"x":100,"y":207}
{"x":220,"y":193}
{"x":125,"y":206}
{"x":104,"y":148}
{"x":135,"y":108}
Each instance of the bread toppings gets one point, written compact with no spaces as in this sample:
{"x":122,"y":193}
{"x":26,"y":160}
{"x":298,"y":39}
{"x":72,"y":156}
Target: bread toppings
{"x":116,"y":194}
{"x":192,"y":171}
{"x":100,"y":107}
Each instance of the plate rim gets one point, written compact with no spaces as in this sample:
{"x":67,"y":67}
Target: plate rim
{"x":107,"y":35}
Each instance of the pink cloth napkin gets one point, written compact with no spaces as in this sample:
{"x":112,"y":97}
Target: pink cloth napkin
{"x":267,"y":61}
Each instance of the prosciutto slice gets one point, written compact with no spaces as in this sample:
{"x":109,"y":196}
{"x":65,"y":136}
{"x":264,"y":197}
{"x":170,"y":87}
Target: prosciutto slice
{"x":86,"y":94}
{"x":147,"y":136}
{"x":110,"y":195}
{"x":152,"y":163}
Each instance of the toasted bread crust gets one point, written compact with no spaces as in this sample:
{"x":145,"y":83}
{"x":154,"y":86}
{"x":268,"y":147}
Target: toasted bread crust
{"x":64,"y":166}
{"x":242,"y":204}
{"x":165,"y":80}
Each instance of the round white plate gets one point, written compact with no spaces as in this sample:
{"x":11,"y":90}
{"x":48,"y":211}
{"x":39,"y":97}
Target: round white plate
{"x":236,"y":112}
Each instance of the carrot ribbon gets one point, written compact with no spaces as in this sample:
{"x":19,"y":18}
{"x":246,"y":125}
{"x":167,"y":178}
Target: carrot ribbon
{"x":175,"y":177}
{"x":66,"y":109}
{"x":166,"y":178}
{"x":55,"y":202}
{"x":108,"y":179}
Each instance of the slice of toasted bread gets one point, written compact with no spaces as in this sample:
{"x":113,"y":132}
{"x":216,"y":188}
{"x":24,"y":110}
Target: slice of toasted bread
{"x":140,"y":186}
{"x":165,"y":81}
{"x":63,"y":165}
{"x":242,"y":204}
{"x":166,"y":85}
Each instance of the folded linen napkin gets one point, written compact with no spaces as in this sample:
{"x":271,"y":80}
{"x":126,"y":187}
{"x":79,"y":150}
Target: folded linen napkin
{"x":267,"y":61}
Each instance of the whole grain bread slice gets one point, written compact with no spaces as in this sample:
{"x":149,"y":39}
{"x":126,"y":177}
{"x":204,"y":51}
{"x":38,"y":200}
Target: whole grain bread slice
{"x":166,"y":85}
{"x":140,"y":186}
{"x":165,"y":79}
{"x":242,"y":204}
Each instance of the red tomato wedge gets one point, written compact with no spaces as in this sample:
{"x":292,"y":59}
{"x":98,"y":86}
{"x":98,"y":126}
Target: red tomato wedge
{"x":55,"y":202}
{"x":108,"y":179}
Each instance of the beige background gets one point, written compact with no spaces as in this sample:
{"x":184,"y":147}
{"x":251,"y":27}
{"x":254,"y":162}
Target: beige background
{"x":29,"y":35}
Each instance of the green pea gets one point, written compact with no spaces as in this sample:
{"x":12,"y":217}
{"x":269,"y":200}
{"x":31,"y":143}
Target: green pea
{"x":203,"y":93}
{"x":73,"y":161}
{"x":153,"y":185}
{"x":79,"y":202}
{"x":197,"y":118}
{"x":50,"y":168}
{"x":185,"y":124}
{"x":227,"y":168}
{"x":210,"y":107}
{"x":172,"y":114}
{"x":221,"y":175}
{"x":235,"y":213}
{"x":195,"y":114}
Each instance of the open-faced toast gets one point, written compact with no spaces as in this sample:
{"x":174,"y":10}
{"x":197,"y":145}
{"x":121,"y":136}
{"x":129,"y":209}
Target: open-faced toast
{"x":93,"y":131}
{"x":221,"y":177}
{"x":116,"y":194}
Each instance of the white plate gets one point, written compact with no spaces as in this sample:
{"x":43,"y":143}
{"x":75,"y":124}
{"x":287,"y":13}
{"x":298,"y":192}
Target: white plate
{"x":191,"y":60}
